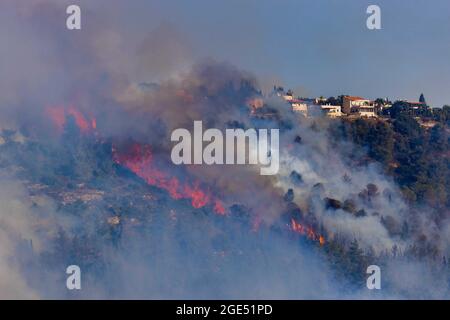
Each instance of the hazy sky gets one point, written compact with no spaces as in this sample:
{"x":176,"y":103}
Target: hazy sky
{"x":320,"y":46}
{"x":317,"y":47}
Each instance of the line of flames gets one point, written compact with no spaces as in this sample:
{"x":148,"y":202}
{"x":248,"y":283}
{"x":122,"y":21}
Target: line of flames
{"x":307,"y":232}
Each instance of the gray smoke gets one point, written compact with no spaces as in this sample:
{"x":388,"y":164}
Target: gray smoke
{"x":140,"y":87}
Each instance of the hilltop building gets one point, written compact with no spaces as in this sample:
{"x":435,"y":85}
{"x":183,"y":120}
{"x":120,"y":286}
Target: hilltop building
{"x":414,"y":105}
{"x":358,"y":106}
{"x":331,"y":111}
{"x":299,"y":106}
{"x":327,"y":110}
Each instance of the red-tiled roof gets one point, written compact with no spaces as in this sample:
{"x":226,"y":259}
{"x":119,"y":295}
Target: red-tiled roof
{"x":415,"y":102}
{"x":354,"y":98}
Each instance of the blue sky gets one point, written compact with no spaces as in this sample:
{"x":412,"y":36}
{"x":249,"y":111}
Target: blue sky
{"x":320,"y":47}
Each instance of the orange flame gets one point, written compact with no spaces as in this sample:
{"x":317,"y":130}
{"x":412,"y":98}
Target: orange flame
{"x":80,"y":120}
{"x":307,"y":231}
{"x":139,"y":159}
{"x":59,"y":114}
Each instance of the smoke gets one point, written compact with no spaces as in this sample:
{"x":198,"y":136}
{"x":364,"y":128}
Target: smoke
{"x":15,"y":222}
{"x":317,"y":161}
{"x":28,"y":225}
{"x":139,"y":89}
{"x":178,"y":253}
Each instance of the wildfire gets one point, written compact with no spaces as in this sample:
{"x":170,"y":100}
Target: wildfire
{"x":139,"y":159}
{"x":306,"y":231}
{"x":255,"y":104}
{"x":59,"y":114}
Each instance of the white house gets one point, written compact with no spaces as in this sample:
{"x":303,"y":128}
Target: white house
{"x":331,"y":111}
{"x":360,"y":106}
{"x":299,"y":106}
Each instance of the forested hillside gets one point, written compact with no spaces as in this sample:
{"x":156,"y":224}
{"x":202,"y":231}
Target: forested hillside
{"x":416,"y":156}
